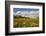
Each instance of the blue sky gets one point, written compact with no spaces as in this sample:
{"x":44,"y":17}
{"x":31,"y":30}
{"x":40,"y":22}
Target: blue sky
{"x":24,"y":9}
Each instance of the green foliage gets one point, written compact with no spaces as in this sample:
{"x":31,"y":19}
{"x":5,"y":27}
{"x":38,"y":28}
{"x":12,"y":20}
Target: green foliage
{"x":25,"y":22}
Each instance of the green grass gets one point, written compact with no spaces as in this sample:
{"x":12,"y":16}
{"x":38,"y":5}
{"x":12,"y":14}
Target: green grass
{"x":20,"y":22}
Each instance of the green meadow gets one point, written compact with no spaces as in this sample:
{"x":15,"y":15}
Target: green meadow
{"x":21,"y":22}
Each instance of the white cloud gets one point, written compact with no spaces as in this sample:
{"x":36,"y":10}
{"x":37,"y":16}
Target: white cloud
{"x":27,"y":13}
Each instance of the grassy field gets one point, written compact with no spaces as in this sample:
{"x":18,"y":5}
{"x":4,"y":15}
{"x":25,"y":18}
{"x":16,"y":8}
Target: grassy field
{"x":20,"y":22}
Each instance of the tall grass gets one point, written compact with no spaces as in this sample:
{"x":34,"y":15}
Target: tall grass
{"x":20,"y":22}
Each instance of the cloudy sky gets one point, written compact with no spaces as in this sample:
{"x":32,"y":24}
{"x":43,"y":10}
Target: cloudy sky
{"x":28,"y":12}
